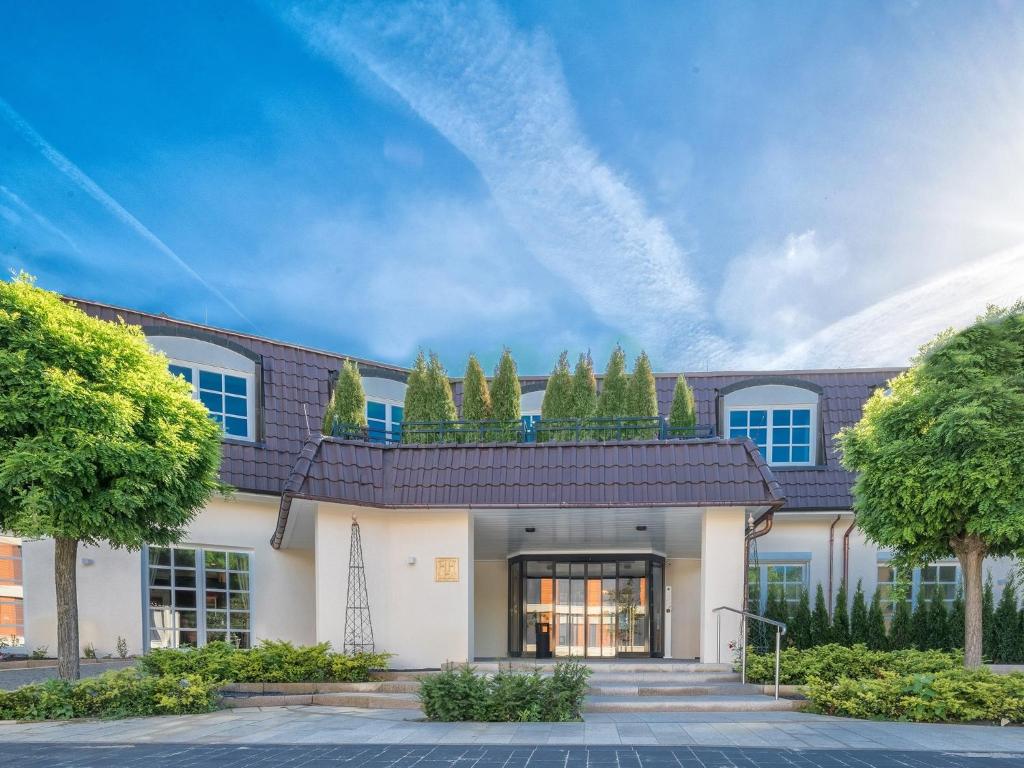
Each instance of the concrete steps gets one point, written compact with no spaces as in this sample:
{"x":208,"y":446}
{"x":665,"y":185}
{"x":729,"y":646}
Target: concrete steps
{"x":700,"y":703}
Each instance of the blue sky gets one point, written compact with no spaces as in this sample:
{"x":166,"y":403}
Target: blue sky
{"x":726,"y":185}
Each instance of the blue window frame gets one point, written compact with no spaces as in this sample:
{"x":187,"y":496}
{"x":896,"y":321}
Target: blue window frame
{"x":225,"y":395}
{"x":384,"y":421}
{"x":783,"y":435}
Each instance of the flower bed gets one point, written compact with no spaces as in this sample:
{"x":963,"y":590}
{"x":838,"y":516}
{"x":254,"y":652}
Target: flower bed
{"x":459,"y":693}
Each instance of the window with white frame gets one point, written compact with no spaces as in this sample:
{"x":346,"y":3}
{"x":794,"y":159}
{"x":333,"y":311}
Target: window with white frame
{"x":782,"y":434}
{"x":384,"y":421}
{"x":924,"y":583}
{"x":227,"y":395}
{"x":788,"y":579}
{"x":198,"y":595}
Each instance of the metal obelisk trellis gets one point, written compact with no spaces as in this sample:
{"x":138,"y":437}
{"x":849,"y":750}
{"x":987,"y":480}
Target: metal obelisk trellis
{"x":358,"y":627}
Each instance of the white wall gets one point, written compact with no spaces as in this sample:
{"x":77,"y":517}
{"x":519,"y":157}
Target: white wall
{"x":422,"y":621}
{"x":683,"y":575}
{"x":490,"y":608}
{"x":110,"y":587}
{"x":721,"y":579}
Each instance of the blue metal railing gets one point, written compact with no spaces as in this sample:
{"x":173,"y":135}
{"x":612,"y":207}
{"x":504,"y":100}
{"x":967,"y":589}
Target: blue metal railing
{"x":525,"y":431}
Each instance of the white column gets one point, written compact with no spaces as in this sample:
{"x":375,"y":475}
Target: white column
{"x":721,"y":580}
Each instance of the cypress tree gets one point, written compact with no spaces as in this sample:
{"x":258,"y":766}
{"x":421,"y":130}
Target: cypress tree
{"x":347,"y":406}
{"x":557,"y":405}
{"x":505,"y":394}
{"x":476,"y":399}
{"x":938,"y":622}
{"x":988,"y":615}
{"x":876,"y":640}
{"x":441,"y":403}
{"x":611,"y":403}
{"x":919,"y":625}
{"x":901,"y":634}
{"x":800,"y":632}
{"x":417,"y":401}
{"x":859,"y":616}
{"x":1005,"y":629}
{"x":683,"y":416}
{"x":841,"y":616}
{"x":642,"y":400}
{"x":955,"y":636}
{"x":821,"y":629}
{"x":584,"y":392}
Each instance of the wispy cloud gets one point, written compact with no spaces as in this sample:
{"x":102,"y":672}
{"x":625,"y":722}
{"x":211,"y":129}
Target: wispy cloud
{"x":41,"y":220}
{"x":84,"y":182}
{"x":498,"y":95}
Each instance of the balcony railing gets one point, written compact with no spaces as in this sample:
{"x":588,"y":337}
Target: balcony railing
{"x":525,"y":430}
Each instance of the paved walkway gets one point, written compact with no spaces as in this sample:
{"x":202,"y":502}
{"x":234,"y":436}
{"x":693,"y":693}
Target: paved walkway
{"x":338,"y":725}
{"x":207,"y":756}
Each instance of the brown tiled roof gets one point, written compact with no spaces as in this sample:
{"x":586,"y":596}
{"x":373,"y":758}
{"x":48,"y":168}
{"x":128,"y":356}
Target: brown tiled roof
{"x":295,"y":382}
{"x":663,"y":473}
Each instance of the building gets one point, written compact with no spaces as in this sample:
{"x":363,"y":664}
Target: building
{"x":617,"y":548}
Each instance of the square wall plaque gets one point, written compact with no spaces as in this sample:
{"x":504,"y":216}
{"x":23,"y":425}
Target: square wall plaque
{"x":446,"y":569}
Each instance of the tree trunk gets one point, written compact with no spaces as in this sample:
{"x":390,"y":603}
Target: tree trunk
{"x":970,"y":551}
{"x":65,"y":569}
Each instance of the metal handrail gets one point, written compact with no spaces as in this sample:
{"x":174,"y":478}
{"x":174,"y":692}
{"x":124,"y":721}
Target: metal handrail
{"x":780,"y":630}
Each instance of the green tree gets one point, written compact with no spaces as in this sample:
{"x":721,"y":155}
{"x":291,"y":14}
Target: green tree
{"x":505,"y":395}
{"x":584,"y":388}
{"x":347,"y":405}
{"x":611,"y":403}
{"x":938,"y":622}
{"x":683,"y":415}
{"x":919,"y":625}
{"x":937,"y":455}
{"x":428,"y":400}
{"x":1005,"y":629}
{"x":821,"y":627}
{"x":955,"y":626}
{"x":642,"y":400}
{"x":99,"y":444}
{"x":988,"y":616}
{"x":557,"y":405}
{"x":876,"y":640}
{"x":901,"y":633}
{"x":476,"y":399}
{"x":841,"y":616}
{"x":800,"y":632}
{"x":859,"y":616}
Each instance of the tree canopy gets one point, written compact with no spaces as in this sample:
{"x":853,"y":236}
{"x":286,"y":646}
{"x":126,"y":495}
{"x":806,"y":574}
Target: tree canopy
{"x":476,"y":399}
{"x":938,"y":455}
{"x":642,"y":399}
{"x":612,"y":400}
{"x":347,"y":406}
{"x":584,"y":389}
{"x":428,"y":398}
{"x":557,"y":404}
{"x":99,"y":443}
{"x":684,"y":411}
{"x":505,"y":394}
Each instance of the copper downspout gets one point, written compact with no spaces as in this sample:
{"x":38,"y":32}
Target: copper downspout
{"x":846,"y":550}
{"x":831,"y":559}
{"x":768,"y":518}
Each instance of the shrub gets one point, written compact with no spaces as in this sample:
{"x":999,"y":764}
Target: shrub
{"x":121,"y":693}
{"x":948,"y":695}
{"x":832,"y":662}
{"x":272,"y":661}
{"x":459,"y":693}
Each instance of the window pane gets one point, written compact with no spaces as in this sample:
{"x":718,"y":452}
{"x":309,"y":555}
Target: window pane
{"x":375,"y":410}
{"x":738,"y":418}
{"x":737,"y":433}
{"x":396,"y":413}
{"x":780,"y":455}
{"x":759,"y":436}
{"x":217,"y":600}
{"x":235,"y":426}
{"x":213,"y":401}
{"x":759,"y":418}
{"x":802,"y":417}
{"x":184,"y":558}
{"x":211,"y":380}
{"x":216,"y":579}
{"x":235,"y":406}
{"x":188,"y":619}
{"x":159,"y":597}
{"x":240,"y":639}
{"x":240,"y":620}
{"x":801,"y":435}
{"x":160,"y":577}
{"x":780,"y":435}
{"x":185,"y":598}
{"x":238,"y":561}
{"x":216,"y":619}
{"x":159,"y":556}
{"x":234,"y":385}
{"x":216,"y":637}
{"x":184,"y":579}
{"x":801,"y":454}
{"x":239,"y":601}
{"x":780,"y":418}
{"x":180,"y":370}
{"x":215,"y":559}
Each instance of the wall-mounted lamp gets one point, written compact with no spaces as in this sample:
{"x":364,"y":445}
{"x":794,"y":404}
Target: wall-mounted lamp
{"x":87,"y":561}
{"x":411,"y":560}
{"x":531,"y":529}
{"x":641,"y":527}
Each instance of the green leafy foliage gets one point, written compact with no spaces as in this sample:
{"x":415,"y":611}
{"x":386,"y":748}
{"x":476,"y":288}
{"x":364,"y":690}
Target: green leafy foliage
{"x":642,"y":399}
{"x":876,"y":637}
{"x":952,"y":695}
{"x":831,"y":662}
{"x":98,"y":442}
{"x":1006,"y":646}
{"x":120,"y":693}
{"x":347,"y":406}
{"x":505,"y":396}
{"x":799,"y":633}
{"x":684,"y":410}
{"x":901,"y":633}
{"x":584,"y":389}
{"x":955,"y":625}
{"x":859,"y":616}
{"x":459,"y":693}
{"x":938,"y":623}
{"x":428,"y":398}
{"x":821,"y":627}
{"x":841,"y":616}
{"x":988,"y":614}
{"x":612,"y":400}
{"x":272,"y":661}
{"x":476,"y":398}
{"x":919,"y":625}
{"x":557,"y":404}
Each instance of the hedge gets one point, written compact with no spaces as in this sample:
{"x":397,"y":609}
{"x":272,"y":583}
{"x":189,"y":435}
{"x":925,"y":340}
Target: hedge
{"x":120,"y":693}
{"x":460,"y":693}
{"x":832,"y":662}
{"x":272,"y":661}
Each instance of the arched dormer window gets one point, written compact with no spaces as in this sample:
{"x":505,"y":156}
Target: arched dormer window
{"x":224,"y":377}
{"x":780,"y":416}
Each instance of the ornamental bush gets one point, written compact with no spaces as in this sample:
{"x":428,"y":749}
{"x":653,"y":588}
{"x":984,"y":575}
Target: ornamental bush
{"x":832,"y":662}
{"x":461,"y":694}
{"x":272,"y":661}
{"x":947,"y":695}
{"x":120,"y":693}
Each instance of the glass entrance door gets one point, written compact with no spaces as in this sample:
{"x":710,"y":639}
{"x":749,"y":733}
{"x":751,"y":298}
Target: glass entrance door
{"x":598,"y":606}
